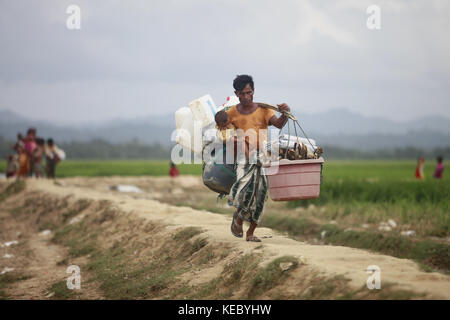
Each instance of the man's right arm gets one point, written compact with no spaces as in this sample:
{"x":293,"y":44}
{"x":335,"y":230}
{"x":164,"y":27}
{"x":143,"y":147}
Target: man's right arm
{"x":281,"y":121}
{"x":278,"y":122}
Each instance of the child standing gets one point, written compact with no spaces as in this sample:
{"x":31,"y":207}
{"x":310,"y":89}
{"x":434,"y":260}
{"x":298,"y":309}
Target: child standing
{"x":11,"y":167}
{"x":30,"y":146}
{"x":173,"y":172}
{"x":439,"y":168}
{"x":51,"y":158}
{"x":419,"y":168}
{"x":38,"y":154}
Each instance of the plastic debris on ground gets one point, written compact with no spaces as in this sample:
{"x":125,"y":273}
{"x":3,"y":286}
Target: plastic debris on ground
{"x":9,"y":243}
{"x":74,"y":220}
{"x":6,"y":270}
{"x":45,"y":233}
{"x":284,"y":266}
{"x":384,"y":227}
{"x":392,"y":223}
{"x":126,"y":188}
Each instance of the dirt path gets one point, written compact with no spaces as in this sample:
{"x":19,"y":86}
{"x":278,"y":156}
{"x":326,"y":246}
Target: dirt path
{"x":42,"y":268}
{"x":41,"y":264}
{"x":36,"y":262}
{"x":326,"y":260}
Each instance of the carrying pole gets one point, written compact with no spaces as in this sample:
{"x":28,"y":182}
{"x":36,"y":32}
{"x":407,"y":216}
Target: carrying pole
{"x":291,"y":117}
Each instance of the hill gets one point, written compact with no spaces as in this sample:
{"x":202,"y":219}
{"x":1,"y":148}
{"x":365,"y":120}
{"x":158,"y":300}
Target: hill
{"x":339,"y":128}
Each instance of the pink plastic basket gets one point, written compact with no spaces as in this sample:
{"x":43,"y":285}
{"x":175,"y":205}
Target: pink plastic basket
{"x":294,"y":179}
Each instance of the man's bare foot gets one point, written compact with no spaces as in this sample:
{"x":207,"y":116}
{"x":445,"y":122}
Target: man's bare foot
{"x":253,"y":238}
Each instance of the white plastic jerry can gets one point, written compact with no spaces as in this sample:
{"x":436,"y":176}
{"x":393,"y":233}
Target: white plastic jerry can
{"x":204,"y":109}
{"x":180,"y":115}
{"x":189,"y":133}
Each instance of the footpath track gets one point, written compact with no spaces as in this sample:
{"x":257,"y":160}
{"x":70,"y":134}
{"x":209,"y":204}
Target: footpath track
{"x":325,"y":260}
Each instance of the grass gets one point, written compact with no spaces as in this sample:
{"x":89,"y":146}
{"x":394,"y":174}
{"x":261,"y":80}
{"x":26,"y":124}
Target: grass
{"x":365,"y":191}
{"x":295,"y":226}
{"x":63,"y":262}
{"x":13,"y":188}
{"x":120,"y":274}
{"x":389,"y":192}
{"x":352,"y":193}
{"x":61,"y":292}
{"x":187,"y":233}
{"x":426,"y":252}
{"x":121,"y":280}
{"x":357,"y":193}
{"x":337,"y":288}
{"x":234,"y":276}
{"x":8,"y":279}
{"x":99,"y":168}
{"x":429,"y":254}
{"x":77,"y":237}
{"x":238,"y":269}
{"x":272,"y":275}
{"x":81,"y":205}
{"x":376,"y":170}
{"x":370,"y":191}
{"x":245,"y":274}
{"x":371,"y":170}
{"x":325,"y":288}
{"x":365,"y":188}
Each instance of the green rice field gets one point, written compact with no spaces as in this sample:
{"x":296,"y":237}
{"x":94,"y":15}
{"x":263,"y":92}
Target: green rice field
{"x":345,"y":183}
{"x":362,"y":170}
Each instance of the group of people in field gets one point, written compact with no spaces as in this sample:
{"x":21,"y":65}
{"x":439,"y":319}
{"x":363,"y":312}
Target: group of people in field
{"x":30,"y":153}
{"x":438,"y":173}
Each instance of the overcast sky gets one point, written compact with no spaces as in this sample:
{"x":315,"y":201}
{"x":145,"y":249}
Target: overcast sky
{"x":137,"y":58}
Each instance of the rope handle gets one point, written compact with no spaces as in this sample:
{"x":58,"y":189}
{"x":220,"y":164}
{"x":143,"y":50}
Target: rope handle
{"x":290,"y":116}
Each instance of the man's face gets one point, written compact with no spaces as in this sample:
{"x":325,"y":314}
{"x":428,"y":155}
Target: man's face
{"x":245,"y":95}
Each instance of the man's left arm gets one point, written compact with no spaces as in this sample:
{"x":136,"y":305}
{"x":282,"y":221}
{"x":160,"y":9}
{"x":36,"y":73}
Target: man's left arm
{"x":281,"y":121}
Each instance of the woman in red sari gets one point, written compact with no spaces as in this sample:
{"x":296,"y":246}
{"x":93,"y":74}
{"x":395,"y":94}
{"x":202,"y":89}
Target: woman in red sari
{"x":419,"y":168}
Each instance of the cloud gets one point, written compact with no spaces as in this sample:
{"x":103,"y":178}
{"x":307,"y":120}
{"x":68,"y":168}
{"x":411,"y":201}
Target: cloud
{"x":314,"y":22}
{"x":155,"y":56}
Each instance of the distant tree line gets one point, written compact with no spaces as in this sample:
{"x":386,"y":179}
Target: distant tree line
{"x":102,"y":149}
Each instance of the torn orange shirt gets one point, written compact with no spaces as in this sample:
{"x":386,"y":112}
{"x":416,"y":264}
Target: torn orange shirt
{"x":257,"y":120}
